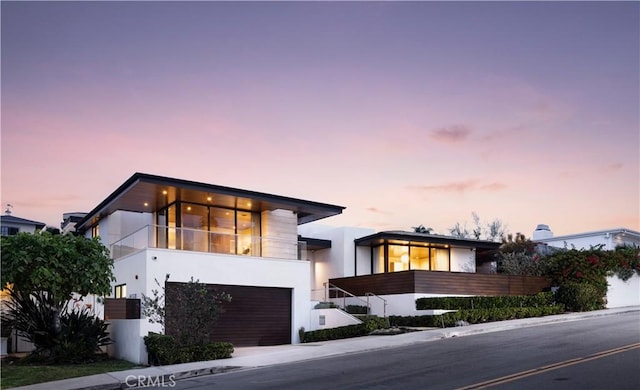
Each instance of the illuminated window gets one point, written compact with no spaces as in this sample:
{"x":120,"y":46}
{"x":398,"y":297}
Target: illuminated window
{"x":120,"y":291}
{"x":403,"y":257}
{"x":95,"y":231}
{"x":420,"y":258}
{"x":439,"y":259}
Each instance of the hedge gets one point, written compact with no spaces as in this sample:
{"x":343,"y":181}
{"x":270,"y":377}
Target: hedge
{"x":370,"y":324}
{"x":163,"y":349}
{"x":465,"y":303}
{"x":475,"y":316}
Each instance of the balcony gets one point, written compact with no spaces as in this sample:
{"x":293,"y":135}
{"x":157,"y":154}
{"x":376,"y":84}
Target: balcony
{"x":166,"y":237}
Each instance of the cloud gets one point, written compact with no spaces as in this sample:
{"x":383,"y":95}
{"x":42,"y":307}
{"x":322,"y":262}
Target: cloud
{"x":495,"y":186}
{"x":376,"y":210}
{"x":461,"y":187}
{"x":614,"y":167}
{"x":452,"y":134}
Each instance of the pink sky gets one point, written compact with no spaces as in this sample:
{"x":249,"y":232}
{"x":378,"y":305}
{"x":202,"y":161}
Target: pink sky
{"x":405,"y":113}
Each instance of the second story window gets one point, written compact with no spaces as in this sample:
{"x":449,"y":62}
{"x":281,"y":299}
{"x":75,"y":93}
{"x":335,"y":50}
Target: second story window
{"x":120,"y":291}
{"x":95,"y":231}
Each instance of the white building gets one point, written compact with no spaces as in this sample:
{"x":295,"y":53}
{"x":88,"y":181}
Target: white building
{"x":620,"y":293}
{"x":242,"y":242}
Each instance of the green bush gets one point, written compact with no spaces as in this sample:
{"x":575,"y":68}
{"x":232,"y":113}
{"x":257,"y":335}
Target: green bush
{"x":370,"y":323}
{"x":325,"y":305}
{"x":463,"y":303}
{"x":164,"y":349}
{"x":59,"y":335}
{"x":581,"y":296}
{"x":475,"y":316}
{"x":356,"y":309}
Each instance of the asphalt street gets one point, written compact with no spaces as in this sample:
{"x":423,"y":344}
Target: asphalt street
{"x":595,"y":353}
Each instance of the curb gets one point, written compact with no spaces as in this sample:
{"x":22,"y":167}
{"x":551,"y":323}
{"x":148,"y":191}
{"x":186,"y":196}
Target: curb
{"x":162,"y":376}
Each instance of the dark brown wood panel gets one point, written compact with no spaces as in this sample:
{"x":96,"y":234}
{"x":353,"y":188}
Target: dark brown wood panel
{"x":434,"y":282}
{"x":255,"y":316}
{"x":121,"y":309}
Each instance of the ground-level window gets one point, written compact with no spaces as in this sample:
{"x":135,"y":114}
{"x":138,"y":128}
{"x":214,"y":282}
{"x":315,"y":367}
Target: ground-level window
{"x":120,"y":291}
{"x":403,"y":257}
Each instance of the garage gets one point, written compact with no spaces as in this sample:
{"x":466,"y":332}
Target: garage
{"x":255,"y":316}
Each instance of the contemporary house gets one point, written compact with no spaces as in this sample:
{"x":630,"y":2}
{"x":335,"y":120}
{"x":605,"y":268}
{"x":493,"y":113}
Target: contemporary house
{"x":242,"y":242}
{"x":389,"y":270}
{"x":620,"y":293}
{"x":269,"y":253}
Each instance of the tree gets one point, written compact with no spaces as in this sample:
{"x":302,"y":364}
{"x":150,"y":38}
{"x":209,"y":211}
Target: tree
{"x":195,"y":308}
{"x":422,"y":229}
{"x":491,"y":231}
{"x":57,"y":264}
{"x":517,"y":256}
{"x":41,"y":272}
{"x":192,"y":309}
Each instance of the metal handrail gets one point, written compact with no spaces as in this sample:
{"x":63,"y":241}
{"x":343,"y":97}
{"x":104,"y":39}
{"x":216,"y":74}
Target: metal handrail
{"x":384,"y":302}
{"x":328,"y":286}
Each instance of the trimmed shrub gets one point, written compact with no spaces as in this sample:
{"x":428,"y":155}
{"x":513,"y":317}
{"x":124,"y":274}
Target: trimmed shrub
{"x":464,"y":303}
{"x":356,"y":309}
{"x":164,"y":349}
{"x":325,"y":305}
{"x":370,"y":324}
{"x":475,"y":316}
{"x":581,"y":297}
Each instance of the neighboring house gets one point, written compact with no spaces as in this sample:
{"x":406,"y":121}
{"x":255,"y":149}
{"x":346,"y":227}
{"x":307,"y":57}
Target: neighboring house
{"x":620,"y":293}
{"x":11,"y":225}
{"x":389,"y":270}
{"x":69,"y":221}
{"x":242,"y":242}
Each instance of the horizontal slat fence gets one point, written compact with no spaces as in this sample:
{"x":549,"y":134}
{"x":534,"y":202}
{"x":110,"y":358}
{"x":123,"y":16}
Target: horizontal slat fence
{"x":434,"y":282}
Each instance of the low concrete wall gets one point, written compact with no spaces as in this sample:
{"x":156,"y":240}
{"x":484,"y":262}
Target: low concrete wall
{"x":333,"y":318}
{"x":128,"y":343}
{"x":623,"y":293}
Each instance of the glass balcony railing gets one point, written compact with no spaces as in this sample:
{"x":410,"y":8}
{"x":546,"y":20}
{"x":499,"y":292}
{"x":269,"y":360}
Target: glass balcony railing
{"x":167,"y":237}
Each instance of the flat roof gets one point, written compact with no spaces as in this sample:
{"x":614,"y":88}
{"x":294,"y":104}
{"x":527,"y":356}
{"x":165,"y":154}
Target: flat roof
{"x":614,"y":231}
{"x":404,"y":238}
{"x":147,"y":193}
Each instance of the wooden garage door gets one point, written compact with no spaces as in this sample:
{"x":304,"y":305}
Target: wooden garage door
{"x":255,"y":316}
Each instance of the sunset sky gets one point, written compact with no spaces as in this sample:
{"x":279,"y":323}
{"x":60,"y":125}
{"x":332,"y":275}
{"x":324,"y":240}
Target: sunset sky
{"x":406,"y":113}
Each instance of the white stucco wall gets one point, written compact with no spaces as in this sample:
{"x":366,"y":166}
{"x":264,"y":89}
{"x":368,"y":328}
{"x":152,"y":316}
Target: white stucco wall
{"x":623,"y":293}
{"x":463,"y":260}
{"x":139,"y":270}
{"x":337,"y":261}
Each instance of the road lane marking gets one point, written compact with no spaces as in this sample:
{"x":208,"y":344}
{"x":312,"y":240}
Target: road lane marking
{"x":550,"y":367}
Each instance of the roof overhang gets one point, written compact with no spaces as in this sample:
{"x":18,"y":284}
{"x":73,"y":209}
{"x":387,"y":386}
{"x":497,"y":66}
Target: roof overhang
{"x":315,"y":243}
{"x":411,"y":238}
{"x":148,"y":193}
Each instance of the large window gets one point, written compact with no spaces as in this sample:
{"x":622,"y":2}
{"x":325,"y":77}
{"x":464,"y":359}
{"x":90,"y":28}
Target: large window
{"x":202,"y":228}
{"x":402,"y":257}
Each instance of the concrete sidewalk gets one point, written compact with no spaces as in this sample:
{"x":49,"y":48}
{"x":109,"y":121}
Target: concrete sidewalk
{"x":252,"y":357}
